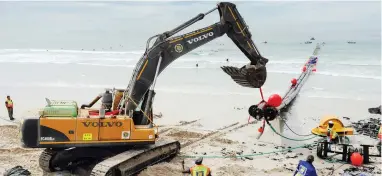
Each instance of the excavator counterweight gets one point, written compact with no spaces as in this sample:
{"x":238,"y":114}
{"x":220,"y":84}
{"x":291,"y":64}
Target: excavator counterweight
{"x":120,"y":138}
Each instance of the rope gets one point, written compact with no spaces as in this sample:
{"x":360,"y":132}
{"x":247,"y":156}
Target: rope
{"x":246,"y":155}
{"x":144,"y":114}
{"x":261,"y":93}
{"x":288,"y":137}
{"x":295,"y":132}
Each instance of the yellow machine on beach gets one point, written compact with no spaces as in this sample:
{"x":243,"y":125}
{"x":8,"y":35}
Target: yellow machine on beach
{"x":338,"y":127}
{"x":123,"y":140}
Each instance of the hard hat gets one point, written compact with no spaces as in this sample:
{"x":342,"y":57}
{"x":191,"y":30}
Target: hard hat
{"x":330,"y":122}
{"x":199,"y":160}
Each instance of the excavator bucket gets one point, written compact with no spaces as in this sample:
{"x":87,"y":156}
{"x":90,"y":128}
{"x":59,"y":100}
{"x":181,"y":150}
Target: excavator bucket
{"x":247,"y":77}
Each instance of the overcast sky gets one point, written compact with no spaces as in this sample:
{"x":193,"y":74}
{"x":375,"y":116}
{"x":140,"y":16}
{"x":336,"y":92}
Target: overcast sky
{"x":101,"y":24}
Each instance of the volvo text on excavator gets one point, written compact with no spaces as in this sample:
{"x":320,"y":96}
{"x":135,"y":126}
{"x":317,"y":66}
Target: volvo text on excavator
{"x":120,"y":138}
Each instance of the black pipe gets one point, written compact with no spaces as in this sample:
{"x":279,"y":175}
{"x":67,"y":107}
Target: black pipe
{"x":91,"y":103}
{"x":188,"y":23}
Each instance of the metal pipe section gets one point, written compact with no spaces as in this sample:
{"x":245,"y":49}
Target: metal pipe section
{"x":151,"y":92}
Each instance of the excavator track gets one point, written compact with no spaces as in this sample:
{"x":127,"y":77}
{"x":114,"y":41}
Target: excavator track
{"x":45,"y":158}
{"x":133,"y":161}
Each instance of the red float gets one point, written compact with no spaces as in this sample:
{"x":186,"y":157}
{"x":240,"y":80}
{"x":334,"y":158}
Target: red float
{"x":274,"y":100}
{"x":356,"y":159}
{"x":314,"y":70}
{"x":260,"y":129}
{"x":294,"y":81}
{"x":304,"y":69}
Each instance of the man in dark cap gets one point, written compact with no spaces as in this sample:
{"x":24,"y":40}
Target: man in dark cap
{"x":199,"y":169}
{"x":306,"y":168}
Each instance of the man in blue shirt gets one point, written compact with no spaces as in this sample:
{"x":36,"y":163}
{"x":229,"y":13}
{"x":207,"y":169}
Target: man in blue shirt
{"x":306,"y":168}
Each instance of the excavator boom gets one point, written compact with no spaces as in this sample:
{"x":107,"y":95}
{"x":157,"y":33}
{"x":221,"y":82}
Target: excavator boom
{"x":167,"y":48}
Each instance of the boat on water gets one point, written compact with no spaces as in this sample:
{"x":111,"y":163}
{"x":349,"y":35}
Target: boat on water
{"x":312,"y":38}
{"x":351,"y":42}
{"x":308,"y":42}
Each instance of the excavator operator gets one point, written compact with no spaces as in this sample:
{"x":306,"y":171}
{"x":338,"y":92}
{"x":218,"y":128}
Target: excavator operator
{"x":199,"y":169}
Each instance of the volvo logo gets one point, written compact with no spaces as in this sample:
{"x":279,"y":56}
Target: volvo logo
{"x":200,"y":38}
{"x":102,"y":124}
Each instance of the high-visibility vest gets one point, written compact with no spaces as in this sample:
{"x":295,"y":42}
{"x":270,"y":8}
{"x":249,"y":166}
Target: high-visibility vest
{"x":331,"y":133}
{"x":380,"y":132}
{"x":9,"y":103}
{"x":200,"y":170}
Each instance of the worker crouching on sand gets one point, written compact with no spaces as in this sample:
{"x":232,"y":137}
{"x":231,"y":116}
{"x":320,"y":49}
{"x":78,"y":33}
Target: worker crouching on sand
{"x":9,"y":106}
{"x":306,"y":168}
{"x":199,"y":169}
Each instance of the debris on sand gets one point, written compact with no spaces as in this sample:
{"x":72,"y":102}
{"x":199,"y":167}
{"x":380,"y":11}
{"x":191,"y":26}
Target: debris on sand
{"x":160,"y":115}
{"x":225,"y":141}
{"x":18,"y":170}
{"x":183,"y":123}
{"x":365,"y":170}
{"x":368,"y":127}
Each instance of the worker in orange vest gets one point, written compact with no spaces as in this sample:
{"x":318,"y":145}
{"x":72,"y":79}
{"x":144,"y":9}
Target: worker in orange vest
{"x":9,"y":106}
{"x":199,"y":169}
{"x":380,"y":139}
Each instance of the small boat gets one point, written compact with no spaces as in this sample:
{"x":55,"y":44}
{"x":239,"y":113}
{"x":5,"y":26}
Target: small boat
{"x":338,"y":127}
{"x":312,"y":38}
{"x":265,"y":42}
{"x":308,"y":42}
{"x":351,"y":42}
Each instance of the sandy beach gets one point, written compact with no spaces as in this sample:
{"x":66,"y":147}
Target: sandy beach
{"x":220,"y":148}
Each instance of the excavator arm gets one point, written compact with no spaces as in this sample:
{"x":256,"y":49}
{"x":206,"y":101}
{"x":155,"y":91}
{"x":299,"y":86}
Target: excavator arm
{"x":167,"y":48}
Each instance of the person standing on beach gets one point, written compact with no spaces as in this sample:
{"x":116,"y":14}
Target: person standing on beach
{"x":306,"y":168}
{"x":9,"y":105}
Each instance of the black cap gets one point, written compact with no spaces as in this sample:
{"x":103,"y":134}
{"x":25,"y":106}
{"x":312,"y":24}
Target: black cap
{"x":310,"y":159}
{"x":199,"y":160}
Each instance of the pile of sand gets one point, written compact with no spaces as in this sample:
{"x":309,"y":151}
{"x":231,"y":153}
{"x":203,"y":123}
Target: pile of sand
{"x":12,"y":154}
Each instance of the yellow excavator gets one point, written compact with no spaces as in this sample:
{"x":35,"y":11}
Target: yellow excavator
{"x":120,"y":138}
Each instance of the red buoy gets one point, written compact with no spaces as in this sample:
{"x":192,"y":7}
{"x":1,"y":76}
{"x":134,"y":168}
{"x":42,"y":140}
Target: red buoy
{"x":274,"y":100}
{"x":260,"y":130}
{"x":304,"y":69}
{"x":356,"y":159}
{"x":314,"y":69}
{"x":294,"y":81}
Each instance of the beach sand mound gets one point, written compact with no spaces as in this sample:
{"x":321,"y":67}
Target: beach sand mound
{"x":185,"y":134}
{"x":12,"y":154}
{"x":162,"y":169}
